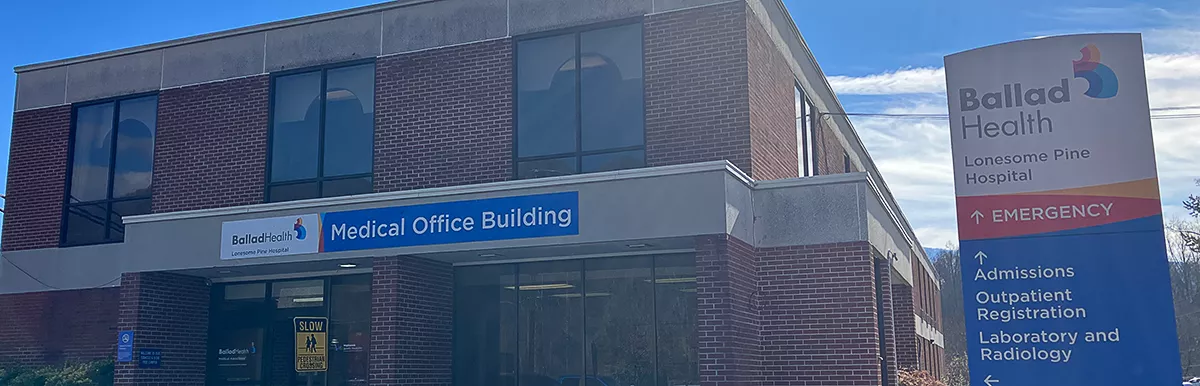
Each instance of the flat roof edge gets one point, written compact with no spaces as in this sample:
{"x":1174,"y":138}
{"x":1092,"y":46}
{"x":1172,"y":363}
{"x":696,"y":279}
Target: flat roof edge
{"x":449,"y":191}
{"x":223,"y":34}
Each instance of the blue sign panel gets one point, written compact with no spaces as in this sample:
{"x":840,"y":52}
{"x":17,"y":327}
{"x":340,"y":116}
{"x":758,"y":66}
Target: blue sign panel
{"x":1070,"y":309}
{"x":125,"y":346}
{"x":506,"y":218}
{"x":150,"y":358}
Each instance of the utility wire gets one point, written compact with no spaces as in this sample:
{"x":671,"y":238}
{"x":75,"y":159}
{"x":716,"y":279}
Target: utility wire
{"x":947,"y":116}
{"x":14,"y":264}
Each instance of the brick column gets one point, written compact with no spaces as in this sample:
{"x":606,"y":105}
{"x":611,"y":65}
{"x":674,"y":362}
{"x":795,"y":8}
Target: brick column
{"x":165,"y":311}
{"x":906,"y":326}
{"x":412,"y":305}
{"x":883,"y":267}
{"x":819,"y":324}
{"x":727,"y":312}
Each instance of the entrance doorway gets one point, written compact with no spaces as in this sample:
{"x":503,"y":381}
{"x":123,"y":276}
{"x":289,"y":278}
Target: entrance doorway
{"x":252,"y":338}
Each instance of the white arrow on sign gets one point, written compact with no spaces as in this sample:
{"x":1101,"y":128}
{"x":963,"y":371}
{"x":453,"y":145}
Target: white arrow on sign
{"x":980,"y":255}
{"x":989,"y":381}
{"x":977,"y":216}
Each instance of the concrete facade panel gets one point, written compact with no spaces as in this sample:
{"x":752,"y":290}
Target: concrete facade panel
{"x":629,"y":209}
{"x":443,"y":23}
{"x":41,"y":88}
{"x":114,"y":76}
{"x":349,"y":38}
{"x":225,"y":58}
{"x":815,"y":215}
{"x":526,"y":16}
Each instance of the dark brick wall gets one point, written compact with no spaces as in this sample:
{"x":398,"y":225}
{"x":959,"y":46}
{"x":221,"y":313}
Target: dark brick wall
{"x":926,"y":296}
{"x":211,"y":145}
{"x":773,"y":148}
{"x":37,"y":169}
{"x":58,"y":326}
{"x":906,"y":326}
{"x":166,"y":311}
{"x":444,"y":117}
{"x":727,"y":312}
{"x":697,"y":98}
{"x":819,"y":321}
{"x":883,"y":270}
{"x":830,"y":153}
{"x":412,"y":304}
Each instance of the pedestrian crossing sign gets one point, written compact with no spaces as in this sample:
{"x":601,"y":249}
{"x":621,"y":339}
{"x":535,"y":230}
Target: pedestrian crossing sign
{"x":311,"y":353}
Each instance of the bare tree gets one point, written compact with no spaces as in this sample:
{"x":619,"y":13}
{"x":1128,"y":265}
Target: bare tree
{"x":954,"y":328}
{"x":1185,"y":287}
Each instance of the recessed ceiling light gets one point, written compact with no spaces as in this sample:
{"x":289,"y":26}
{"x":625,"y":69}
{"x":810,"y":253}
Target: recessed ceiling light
{"x":224,"y":272}
{"x":347,"y":265}
{"x":489,"y":255}
{"x":638,"y":245}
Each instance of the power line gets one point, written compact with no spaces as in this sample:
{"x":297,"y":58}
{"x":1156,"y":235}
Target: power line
{"x":947,"y":116}
{"x":14,"y":264}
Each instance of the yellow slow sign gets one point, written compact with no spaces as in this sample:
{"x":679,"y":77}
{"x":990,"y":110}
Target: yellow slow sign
{"x":311,"y":353}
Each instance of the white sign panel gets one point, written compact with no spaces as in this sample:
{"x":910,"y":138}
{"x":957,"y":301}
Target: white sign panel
{"x":276,"y":236}
{"x":1029,"y":116}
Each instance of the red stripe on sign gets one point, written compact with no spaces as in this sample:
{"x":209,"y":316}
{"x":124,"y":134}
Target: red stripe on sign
{"x":986,"y":217}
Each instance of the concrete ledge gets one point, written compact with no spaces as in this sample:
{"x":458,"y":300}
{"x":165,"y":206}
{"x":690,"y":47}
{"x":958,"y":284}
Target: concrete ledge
{"x":114,"y":76}
{"x":41,"y":88}
{"x":328,"y":41}
{"x":210,"y":60}
{"x":443,"y":23}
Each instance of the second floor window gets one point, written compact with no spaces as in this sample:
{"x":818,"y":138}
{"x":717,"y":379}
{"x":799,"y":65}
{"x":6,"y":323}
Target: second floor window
{"x":580,"y":102}
{"x":112,"y":165}
{"x":322,"y":133}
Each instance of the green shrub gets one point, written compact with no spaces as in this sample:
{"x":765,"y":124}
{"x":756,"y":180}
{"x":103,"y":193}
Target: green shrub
{"x":94,"y":373}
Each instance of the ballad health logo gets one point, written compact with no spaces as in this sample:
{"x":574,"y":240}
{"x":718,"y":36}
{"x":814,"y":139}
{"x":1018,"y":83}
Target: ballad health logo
{"x":301,"y":233}
{"x":1102,"y":82}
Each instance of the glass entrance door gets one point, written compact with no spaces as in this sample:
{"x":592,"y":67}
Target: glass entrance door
{"x":252,"y":337}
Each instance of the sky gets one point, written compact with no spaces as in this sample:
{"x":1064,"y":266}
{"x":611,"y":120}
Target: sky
{"x":881,"y":56}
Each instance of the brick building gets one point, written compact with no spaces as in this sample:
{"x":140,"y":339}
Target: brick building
{"x":519,"y":192}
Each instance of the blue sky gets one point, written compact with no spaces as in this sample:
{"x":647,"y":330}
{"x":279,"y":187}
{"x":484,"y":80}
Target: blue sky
{"x":881,"y":56}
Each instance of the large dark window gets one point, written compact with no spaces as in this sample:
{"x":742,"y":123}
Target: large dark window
{"x":112,"y":165}
{"x":622,"y":321}
{"x":322,"y":133}
{"x":580,"y":102}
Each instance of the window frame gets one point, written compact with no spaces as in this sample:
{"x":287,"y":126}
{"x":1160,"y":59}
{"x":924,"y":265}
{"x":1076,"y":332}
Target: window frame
{"x":320,"y":179}
{"x":108,"y":201}
{"x":807,"y":125}
{"x":578,"y":154}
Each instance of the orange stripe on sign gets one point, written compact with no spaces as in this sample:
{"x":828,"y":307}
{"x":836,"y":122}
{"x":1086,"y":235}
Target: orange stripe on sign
{"x":1147,"y":188}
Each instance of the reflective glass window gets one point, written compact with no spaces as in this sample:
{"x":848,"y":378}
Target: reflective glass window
{"x":322,"y":133}
{"x":580,"y":97}
{"x":111,"y":169}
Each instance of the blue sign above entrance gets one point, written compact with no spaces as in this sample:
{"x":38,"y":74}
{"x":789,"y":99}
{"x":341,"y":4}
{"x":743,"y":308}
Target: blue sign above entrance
{"x":506,"y":218}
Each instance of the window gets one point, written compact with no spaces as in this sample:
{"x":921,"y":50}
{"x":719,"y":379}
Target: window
{"x":806,"y":124}
{"x":112,"y":165}
{"x":322,"y":133}
{"x":580,"y":103}
{"x":620,"y":321}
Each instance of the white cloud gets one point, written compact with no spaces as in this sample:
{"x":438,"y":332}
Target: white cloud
{"x":921,"y":80}
{"x":914,"y":154}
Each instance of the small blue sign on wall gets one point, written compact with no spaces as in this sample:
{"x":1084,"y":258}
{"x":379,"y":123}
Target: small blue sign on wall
{"x":125,"y":346}
{"x":150,"y":358}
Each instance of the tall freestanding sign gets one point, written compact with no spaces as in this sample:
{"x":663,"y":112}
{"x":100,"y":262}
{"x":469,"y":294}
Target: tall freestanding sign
{"x":1065,"y":274}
